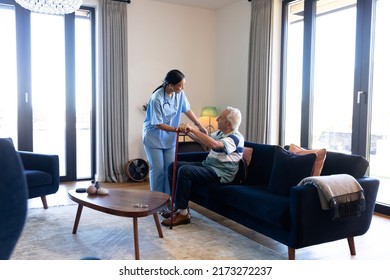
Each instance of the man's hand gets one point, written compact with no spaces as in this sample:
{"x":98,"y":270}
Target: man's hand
{"x":185,"y":128}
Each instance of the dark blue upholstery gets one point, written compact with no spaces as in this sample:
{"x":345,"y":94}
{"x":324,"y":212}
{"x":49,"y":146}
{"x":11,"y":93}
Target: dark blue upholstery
{"x":42,"y":173}
{"x":288,"y":170}
{"x":297,"y":219}
{"x":13,"y":198}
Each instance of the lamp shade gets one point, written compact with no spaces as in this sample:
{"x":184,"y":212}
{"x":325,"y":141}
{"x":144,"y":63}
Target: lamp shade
{"x":209,"y":112}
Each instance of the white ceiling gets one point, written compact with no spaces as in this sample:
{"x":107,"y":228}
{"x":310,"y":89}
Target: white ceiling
{"x":205,"y":4}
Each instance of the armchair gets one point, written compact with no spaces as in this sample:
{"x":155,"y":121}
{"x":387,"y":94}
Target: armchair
{"x":13,"y":199}
{"x":42,"y":174}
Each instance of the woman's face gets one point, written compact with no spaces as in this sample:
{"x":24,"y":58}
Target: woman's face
{"x":179,"y":86}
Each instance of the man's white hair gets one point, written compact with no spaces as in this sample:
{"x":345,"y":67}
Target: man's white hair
{"x":234,"y":117}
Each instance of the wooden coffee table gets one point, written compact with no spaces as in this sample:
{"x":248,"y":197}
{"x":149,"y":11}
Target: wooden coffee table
{"x":123,"y":202}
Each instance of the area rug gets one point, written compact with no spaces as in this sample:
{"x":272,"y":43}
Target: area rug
{"x":47,"y":235}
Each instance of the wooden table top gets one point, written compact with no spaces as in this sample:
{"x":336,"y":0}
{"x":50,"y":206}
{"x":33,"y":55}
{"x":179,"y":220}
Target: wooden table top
{"x":123,"y":202}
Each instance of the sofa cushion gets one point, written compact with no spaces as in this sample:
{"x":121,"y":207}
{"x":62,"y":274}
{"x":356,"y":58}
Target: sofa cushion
{"x":247,"y":155}
{"x":257,"y":201}
{"x":260,"y":167}
{"x":245,"y":161}
{"x":37,"y":178}
{"x":320,"y":157}
{"x":340,"y":163}
{"x":288,"y":170}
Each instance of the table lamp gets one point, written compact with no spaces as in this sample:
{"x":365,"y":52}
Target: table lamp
{"x":210,"y":112}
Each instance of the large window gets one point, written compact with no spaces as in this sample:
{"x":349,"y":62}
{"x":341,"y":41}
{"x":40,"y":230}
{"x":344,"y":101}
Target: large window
{"x":380,"y":127}
{"x":8,"y":82}
{"x":294,"y":58}
{"x":333,"y":75}
{"x":339,"y":102}
{"x":47,"y":85}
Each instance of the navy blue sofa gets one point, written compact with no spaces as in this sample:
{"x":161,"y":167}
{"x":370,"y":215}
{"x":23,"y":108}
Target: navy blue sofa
{"x":294,"y":218}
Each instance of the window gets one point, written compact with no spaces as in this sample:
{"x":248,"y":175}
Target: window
{"x":294,"y":58}
{"x":333,"y":75}
{"x":380,"y":128}
{"x":47,"y":85}
{"x":342,"y":57}
{"x":8,"y":85}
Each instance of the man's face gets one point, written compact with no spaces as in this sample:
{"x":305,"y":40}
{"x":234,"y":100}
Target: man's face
{"x":223,"y":122}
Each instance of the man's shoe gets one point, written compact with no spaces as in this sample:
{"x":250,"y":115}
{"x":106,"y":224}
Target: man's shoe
{"x":167,"y":214}
{"x":178,"y":219}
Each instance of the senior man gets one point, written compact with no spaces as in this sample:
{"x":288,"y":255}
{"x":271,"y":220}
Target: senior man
{"x":221,"y":165}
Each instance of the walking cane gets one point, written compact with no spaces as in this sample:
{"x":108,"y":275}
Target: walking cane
{"x":174,"y":177}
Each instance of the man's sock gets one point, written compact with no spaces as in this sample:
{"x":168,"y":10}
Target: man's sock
{"x":183,"y":212}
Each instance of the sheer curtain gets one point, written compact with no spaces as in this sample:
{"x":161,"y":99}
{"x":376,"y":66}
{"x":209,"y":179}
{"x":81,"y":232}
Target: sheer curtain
{"x":113,"y":122}
{"x":259,"y":73}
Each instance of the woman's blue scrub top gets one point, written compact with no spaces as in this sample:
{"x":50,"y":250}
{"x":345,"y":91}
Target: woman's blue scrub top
{"x":163,"y":109}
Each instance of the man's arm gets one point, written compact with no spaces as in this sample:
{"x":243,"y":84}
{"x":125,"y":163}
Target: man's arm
{"x":201,"y":138}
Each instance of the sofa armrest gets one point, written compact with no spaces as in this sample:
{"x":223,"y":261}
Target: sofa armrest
{"x":311,"y":225}
{"x":43,"y":162}
{"x":192,"y":156}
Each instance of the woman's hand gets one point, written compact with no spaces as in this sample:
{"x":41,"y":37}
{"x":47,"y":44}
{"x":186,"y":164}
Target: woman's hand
{"x":203,"y":130}
{"x":184,"y":127}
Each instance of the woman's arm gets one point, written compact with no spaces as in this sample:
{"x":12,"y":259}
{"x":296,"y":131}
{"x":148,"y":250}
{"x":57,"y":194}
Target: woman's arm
{"x":166,"y":127}
{"x":190,"y":114}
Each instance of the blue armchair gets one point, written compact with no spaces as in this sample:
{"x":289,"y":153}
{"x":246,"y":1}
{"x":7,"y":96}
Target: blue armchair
{"x":42,"y":174}
{"x":13,"y":198}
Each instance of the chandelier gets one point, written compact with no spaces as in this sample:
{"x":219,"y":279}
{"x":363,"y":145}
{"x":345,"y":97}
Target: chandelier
{"x":56,"y":7}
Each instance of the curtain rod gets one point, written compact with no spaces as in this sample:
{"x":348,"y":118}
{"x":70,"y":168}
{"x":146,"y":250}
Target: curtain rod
{"x":128,"y":1}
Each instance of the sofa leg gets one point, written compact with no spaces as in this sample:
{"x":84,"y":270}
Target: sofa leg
{"x":44,"y":201}
{"x":291,"y":253}
{"x":351,"y":244}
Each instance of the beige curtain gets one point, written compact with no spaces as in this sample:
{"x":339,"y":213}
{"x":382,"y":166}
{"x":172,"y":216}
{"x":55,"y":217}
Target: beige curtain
{"x":258,"y":113}
{"x":114,"y":90}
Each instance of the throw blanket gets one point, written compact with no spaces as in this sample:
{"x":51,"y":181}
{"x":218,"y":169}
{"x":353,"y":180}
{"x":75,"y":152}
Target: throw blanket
{"x":340,"y":193}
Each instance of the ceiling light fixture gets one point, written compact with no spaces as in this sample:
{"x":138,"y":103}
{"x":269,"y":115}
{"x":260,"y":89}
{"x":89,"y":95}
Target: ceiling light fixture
{"x":55,"y":7}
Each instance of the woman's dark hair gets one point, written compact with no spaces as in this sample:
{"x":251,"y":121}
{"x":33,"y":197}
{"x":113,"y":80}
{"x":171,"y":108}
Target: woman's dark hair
{"x":173,"y":77}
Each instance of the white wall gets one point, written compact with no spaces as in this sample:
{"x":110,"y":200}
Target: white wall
{"x":231,"y":85}
{"x":210,"y":47}
{"x":163,"y":37}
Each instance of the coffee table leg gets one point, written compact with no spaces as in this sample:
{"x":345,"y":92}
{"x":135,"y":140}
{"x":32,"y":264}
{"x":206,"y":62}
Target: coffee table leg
{"x":136,"y":242}
{"x":77,"y":219}
{"x":157,"y":222}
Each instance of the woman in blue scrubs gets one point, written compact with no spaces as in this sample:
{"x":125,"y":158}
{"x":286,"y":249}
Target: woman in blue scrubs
{"x":161,"y":123}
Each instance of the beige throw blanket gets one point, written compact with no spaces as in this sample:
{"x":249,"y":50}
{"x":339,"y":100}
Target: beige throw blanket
{"x":340,"y":193}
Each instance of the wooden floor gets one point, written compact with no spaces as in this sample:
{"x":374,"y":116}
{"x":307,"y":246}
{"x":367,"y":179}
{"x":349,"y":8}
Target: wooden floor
{"x":374,"y":245}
